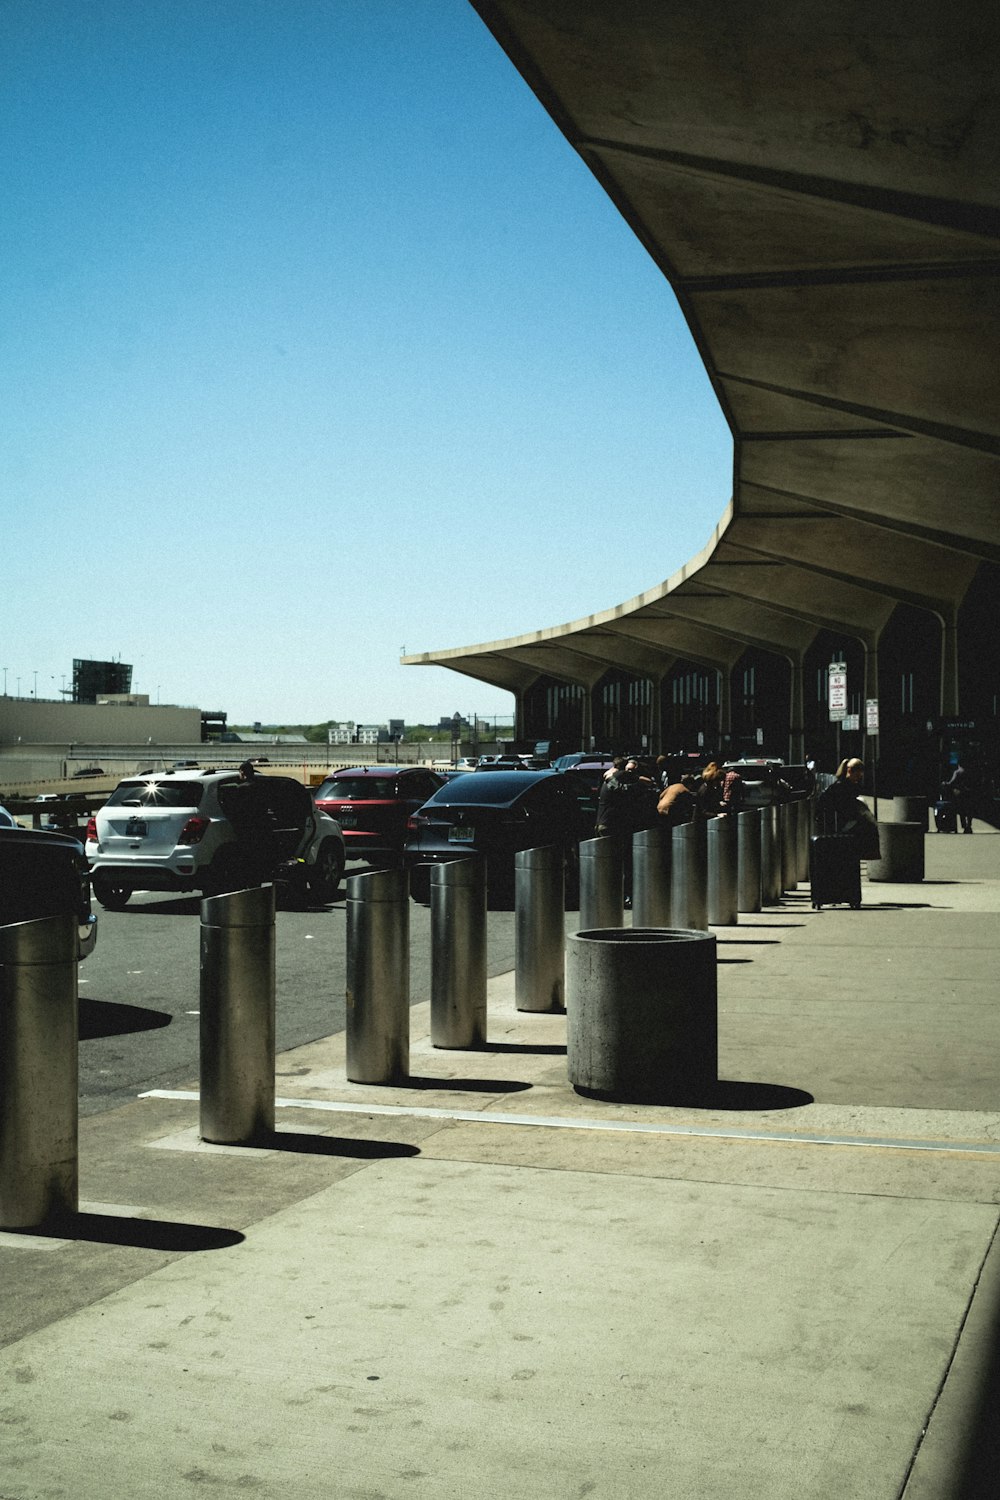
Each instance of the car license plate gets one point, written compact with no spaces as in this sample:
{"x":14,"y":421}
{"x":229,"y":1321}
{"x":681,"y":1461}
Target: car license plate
{"x":350,"y":820}
{"x":460,"y":834}
{"x":136,"y":828}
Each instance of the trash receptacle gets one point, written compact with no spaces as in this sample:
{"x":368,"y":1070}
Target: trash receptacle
{"x":642,"y":1013}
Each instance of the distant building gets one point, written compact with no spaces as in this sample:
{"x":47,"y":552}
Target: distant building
{"x":100,"y":679}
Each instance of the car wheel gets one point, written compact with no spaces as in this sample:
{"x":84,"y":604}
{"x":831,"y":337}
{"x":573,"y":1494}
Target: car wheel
{"x":325,"y":875}
{"x":109,"y":893}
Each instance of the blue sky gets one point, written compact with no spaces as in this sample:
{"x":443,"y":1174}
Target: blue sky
{"x":318,"y":342}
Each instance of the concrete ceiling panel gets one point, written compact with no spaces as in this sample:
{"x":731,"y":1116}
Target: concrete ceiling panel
{"x":917,"y":354}
{"x":954,"y":493}
{"x":716,"y":225}
{"x":803,"y":87}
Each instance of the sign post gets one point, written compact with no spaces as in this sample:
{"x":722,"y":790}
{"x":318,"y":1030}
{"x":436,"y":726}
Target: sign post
{"x":836,"y":696}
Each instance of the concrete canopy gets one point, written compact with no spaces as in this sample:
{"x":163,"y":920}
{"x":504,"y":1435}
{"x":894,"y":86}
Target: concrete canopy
{"x":819,"y":183}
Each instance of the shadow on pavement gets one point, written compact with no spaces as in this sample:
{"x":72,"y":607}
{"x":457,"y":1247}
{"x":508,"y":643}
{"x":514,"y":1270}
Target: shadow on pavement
{"x":467,"y":1085}
{"x":335,"y":1145}
{"x":142,"y":1234}
{"x":727,"y":1094}
{"x":553,"y":1049}
{"x":110,"y":1018}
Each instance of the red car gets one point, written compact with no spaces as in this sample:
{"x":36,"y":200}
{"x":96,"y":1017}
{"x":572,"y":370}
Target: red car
{"x":372,"y":805}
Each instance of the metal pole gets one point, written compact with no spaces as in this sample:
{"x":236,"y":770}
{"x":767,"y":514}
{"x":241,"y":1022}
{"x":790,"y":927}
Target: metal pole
{"x":458,"y":953}
{"x":651,"y":863}
{"x":539,"y":929}
{"x":689,"y":877}
{"x":748,"y":869}
{"x":378,"y":977}
{"x":237,"y":1016}
{"x":785,"y":847}
{"x":38,"y":1072}
{"x":722,"y":872}
{"x":770,"y":856}
{"x":601,"y":884}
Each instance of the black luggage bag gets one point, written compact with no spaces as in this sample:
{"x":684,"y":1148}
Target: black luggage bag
{"x":945,"y":816}
{"x":834,"y":870}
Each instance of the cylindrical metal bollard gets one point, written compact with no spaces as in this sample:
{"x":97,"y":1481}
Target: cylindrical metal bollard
{"x":911,"y":810}
{"x":458,"y":953}
{"x":236,"y":1022}
{"x":378,"y":977}
{"x":642,"y":1013}
{"x":807,"y":814}
{"x":901,"y":857}
{"x":722,"y":871}
{"x":770,"y":856}
{"x":38,"y":1072}
{"x":689,"y":877}
{"x":651,"y":861}
{"x":539,"y":929}
{"x":786,"y":826}
{"x":602,"y":886}
{"x":748,"y":859}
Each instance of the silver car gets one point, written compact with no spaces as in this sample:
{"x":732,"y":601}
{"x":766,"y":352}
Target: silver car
{"x":188,"y":830}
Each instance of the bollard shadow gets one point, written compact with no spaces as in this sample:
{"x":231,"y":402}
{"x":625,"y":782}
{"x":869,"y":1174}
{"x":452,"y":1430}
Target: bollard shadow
{"x":773,"y":926}
{"x":754,"y":942}
{"x":300,"y":1143}
{"x":139,"y":1234}
{"x":467,"y":1085}
{"x":111,"y":1018}
{"x":552,"y":1049}
{"x":721,"y":1094}
{"x":174,"y":906}
{"x":734,"y":960}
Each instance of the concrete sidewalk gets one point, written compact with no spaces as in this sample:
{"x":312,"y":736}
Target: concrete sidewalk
{"x":484,"y":1284}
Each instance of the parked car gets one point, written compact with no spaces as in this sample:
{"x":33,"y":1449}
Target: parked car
{"x":44,"y":875}
{"x":182,"y":831}
{"x":577,"y":757}
{"x":495,"y":814}
{"x":88,"y":771}
{"x":7,"y":819}
{"x":372,"y":805}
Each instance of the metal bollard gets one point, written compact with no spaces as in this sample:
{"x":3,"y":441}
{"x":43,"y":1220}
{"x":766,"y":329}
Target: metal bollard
{"x":770,"y":856}
{"x":378,"y":977}
{"x":458,"y":953}
{"x":786,"y":845}
{"x":807,"y":813}
{"x":689,"y":877}
{"x":602,"y":885}
{"x":651,"y":861}
{"x":236,"y":1023}
{"x":39,"y":1129}
{"x":722,"y":872}
{"x":748,"y":842}
{"x":539,"y":929}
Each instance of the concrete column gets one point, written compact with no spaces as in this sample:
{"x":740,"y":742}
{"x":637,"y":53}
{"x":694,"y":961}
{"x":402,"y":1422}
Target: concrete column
{"x":796,"y":733}
{"x":949,"y":660}
{"x":725,"y":704}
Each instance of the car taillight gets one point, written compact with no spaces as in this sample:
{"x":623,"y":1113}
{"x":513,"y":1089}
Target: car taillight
{"x":413,"y":823}
{"x":91,"y":833}
{"x":193,"y":831}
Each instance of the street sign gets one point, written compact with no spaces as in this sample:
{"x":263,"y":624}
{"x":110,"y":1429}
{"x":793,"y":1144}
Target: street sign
{"x":851,"y":721}
{"x":871,"y":715}
{"x":836,"y":683}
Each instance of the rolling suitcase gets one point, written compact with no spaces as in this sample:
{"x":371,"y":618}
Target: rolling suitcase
{"x":945,"y":817}
{"x":834,"y":871}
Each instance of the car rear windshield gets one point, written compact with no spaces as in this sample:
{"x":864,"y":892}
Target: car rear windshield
{"x":156,"y":794}
{"x":498,"y":787}
{"x":356,"y":789}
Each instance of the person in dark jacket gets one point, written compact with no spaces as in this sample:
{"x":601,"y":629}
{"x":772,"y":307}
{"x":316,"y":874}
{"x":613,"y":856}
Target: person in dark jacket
{"x":841,"y":810}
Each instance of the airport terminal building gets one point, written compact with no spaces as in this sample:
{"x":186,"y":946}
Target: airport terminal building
{"x":822,"y":195}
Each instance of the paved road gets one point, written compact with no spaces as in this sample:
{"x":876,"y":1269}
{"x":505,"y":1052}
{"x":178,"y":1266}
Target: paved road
{"x":139,"y":989}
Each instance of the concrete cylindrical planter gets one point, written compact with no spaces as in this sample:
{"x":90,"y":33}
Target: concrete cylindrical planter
{"x":902,"y":853}
{"x":642,"y":1013}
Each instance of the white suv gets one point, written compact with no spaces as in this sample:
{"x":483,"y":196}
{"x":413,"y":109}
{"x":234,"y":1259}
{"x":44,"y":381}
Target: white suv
{"x":183,"y":831}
